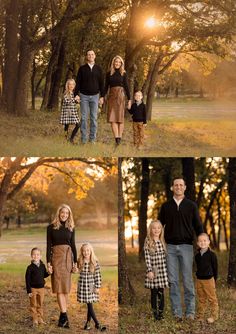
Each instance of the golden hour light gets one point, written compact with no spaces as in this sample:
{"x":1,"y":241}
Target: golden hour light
{"x":151,"y":22}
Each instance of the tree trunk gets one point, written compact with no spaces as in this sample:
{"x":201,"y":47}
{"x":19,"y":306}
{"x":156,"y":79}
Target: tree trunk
{"x":142,"y":223}
{"x":52,"y":62}
{"x":152,"y":86}
{"x":11,"y":54}
{"x":188,"y":166}
{"x":125,"y":291}
{"x":32,"y":85}
{"x":232,"y":252}
{"x":53,"y":101}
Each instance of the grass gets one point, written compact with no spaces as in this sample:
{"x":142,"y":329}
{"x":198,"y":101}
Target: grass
{"x":183,"y":127}
{"x":138,"y":317}
{"x":15,"y":247}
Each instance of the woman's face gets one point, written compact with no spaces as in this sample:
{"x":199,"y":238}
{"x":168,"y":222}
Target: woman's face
{"x":86,"y":252}
{"x":117,"y":63}
{"x":64,"y":214}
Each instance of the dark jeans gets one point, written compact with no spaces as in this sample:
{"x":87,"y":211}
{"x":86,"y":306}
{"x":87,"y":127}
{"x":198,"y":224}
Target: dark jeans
{"x":75,"y":130}
{"x":91,"y":314}
{"x":157,"y":296}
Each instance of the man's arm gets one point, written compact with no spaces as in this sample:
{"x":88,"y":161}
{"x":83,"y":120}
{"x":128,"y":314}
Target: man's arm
{"x":197,"y":223}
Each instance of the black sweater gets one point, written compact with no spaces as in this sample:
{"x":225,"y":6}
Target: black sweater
{"x":138,"y":112}
{"x":63,"y":236}
{"x":117,"y":80}
{"x":180,"y":222}
{"x":34,"y":276}
{"x":207,"y":266}
{"x":89,"y":82}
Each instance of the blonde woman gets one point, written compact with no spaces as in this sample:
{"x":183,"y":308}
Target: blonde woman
{"x":62,"y":257}
{"x":69,"y":112}
{"x":156,"y":274}
{"x":117,"y":87}
{"x":89,"y":283}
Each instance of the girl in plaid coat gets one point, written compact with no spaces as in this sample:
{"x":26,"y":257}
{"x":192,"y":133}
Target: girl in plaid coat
{"x":69,"y":113}
{"x":156,"y":274}
{"x":89,"y":283}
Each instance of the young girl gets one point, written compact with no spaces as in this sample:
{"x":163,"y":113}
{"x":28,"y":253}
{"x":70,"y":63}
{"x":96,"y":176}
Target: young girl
{"x":155,"y":259}
{"x":89,"y":283}
{"x":69,"y":113}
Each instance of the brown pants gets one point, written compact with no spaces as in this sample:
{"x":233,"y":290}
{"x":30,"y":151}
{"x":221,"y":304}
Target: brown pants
{"x":206,"y":291}
{"x":36,"y":304}
{"x":138,"y":133}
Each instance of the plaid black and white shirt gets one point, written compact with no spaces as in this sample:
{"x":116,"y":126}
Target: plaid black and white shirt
{"x":69,"y":112}
{"x":87,"y":283}
{"x":156,"y":263}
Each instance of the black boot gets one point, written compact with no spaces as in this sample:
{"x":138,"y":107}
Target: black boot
{"x":155,"y":314}
{"x":118,"y":140}
{"x":63,"y":321}
{"x":87,"y":326}
{"x":102,"y":328}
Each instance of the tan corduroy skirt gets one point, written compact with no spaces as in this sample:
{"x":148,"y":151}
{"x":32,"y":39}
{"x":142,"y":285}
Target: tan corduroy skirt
{"x":62,"y":266}
{"x":116,"y":105}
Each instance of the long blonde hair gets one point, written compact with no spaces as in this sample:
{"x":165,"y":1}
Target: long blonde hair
{"x":70,"y":221}
{"x":67,"y":91}
{"x":122,"y":67}
{"x":150,"y":242}
{"x":92,"y":260}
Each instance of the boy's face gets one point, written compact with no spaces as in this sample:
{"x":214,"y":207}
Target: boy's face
{"x":203,"y":241}
{"x":36,"y":256}
{"x":138,"y":96}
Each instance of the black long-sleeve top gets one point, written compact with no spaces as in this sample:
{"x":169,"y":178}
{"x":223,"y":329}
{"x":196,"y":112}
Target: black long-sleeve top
{"x":117,"y":80}
{"x":180,"y":222}
{"x":89,"y":81}
{"x":207,"y":265}
{"x":138,"y":112}
{"x":34,"y":276}
{"x":62,"y":236}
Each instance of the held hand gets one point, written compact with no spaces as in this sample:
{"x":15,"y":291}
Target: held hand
{"x":145,"y":125}
{"x":49,"y":268}
{"x":101,"y":101}
{"x":129,"y":104}
{"x":150,"y":275}
{"x":77,"y":98}
{"x":96,"y":290}
{"x":30,"y":294}
{"x":75,"y":268}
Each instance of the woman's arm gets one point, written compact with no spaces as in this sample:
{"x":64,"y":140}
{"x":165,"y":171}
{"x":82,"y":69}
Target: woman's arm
{"x":73,"y":247}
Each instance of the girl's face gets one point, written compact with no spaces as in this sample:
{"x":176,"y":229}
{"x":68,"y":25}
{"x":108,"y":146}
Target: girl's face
{"x":64,"y":214}
{"x":86,"y":252}
{"x":156,"y":230}
{"x":36,"y":256}
{"x":71,"y":86}
{"x":117,"y":63}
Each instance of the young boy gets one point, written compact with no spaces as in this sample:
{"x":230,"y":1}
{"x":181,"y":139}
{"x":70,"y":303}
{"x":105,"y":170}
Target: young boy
{"x":138,"y":112}
{"x":207,"y":270}
{"x":34,"y":278}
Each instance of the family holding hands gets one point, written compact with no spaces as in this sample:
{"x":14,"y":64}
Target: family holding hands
{"x":89,"y":90}
{"x":61,"y":262}
{"x":168,"y":252}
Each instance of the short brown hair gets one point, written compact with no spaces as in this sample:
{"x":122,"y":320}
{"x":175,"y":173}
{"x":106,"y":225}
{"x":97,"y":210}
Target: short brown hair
{"x":35,"y":249}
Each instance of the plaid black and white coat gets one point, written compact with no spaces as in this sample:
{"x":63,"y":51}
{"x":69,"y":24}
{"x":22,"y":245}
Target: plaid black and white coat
{"x":69,"y":112}
{"x":86,"y":284}
{"x":156,"y":263}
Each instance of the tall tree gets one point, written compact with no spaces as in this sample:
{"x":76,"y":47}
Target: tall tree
{"x":188,"y":165}
{"x":126,"y":291}
{"x":232,"y":194}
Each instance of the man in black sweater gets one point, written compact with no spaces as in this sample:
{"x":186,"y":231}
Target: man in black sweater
{"x":181,"y":220}
{"x":89,"y":83}
{"x":34,"y":279}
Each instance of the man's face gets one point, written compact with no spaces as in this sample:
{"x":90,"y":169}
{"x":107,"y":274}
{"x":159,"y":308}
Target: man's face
{"x":178,"y":187}
{"x":91,"y":56}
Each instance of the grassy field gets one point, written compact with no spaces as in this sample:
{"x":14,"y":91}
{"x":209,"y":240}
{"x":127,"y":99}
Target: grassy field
{"x":179,"y":128}
{"x":15,"y":247}
{"x":138,"y":317}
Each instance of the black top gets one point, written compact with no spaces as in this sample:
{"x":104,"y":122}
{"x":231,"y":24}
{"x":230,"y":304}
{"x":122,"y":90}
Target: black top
{"x":34,"y":276}
{"x":117,"y":80}
{"x":180,"y":222}
{"x":207,"y":266}
{"x":63,"y":236}
{"x":89,"y":81}
{"x":138,"y":112}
